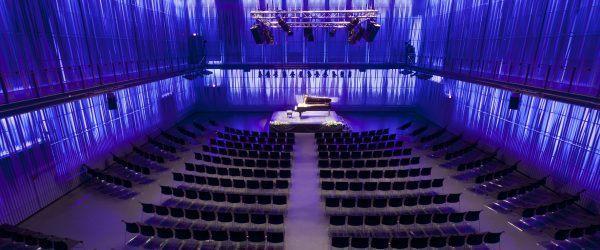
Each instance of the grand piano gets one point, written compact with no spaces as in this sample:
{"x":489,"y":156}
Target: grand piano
{"x":313,"y":103}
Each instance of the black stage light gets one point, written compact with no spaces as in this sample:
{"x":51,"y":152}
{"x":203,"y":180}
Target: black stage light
{"x":423,"y":76}
{"x":111,"y":99}
{"x":355,"y":36}
{"x":308,"y":34}
{"x":352,"y":24}
{"x":257,"y":34}
{"x":514,"y":101}
{"x":372,"y":29}
{"x":284,"y":26}
{"x":332,"y":32}
{"x":268,"y":35}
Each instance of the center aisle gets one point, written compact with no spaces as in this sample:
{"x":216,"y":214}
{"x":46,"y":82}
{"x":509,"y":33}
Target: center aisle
{"x":306,"y":224}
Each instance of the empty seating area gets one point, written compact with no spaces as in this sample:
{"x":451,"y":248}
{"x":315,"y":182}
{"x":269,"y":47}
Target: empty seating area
{"x":384,"y":199}
{"x":233,"y":195}
{"x":510,"y":190}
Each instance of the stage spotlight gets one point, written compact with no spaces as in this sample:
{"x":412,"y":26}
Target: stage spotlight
{"x":423,"y":76}
{"x":355,"y":36}
{"x":268,"y":36}
{"x":257,"y":34}
{"x":259,"y":74}
{"x":284,"y":26}
{"x":308,"y":34}
{"x":332,"y":32}
{"x":352,"y":24}
{"x":372,"y":29}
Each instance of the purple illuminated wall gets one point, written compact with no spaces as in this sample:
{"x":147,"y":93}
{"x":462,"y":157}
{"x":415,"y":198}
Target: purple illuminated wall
{"x":41,"y":152}
{"x":551,"y":138}
{"x":369,"y":90}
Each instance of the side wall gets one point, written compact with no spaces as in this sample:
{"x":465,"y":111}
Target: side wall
{"x":41,"y":152}
{"x":551,"y":138}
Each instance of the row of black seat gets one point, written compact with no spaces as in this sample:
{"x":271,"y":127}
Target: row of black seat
{"x":235,"y":171}
{"x":351,"y":134}
{"x":211,"y":216}
{"x":476,"y":163}
{"x":360,"y":146}
{"x":186,"y":132}
{"x":245,"y":132}
{"x":356,"y":140}
{"x":233,"y":198}
{"x":364,"y":154}
{"x":576,"y":232}
{"x":251,"y":146}
{"x":406,"y":219}
{"x":18,"y":236}
{"x":109,"y":178}
{"x":460,"y":151}
{"x":543,"y":209}
{"x":419,"y":130}
{"x":375,"y":174}
{"x":254,"y":236}
{"x":148,"y":155}
{"x":495,"y":174}
{"x":525,"y":188}
{"x":253,"y":139}
{"x":381,"y":186}
{"x":447,"y":143}
{"x":456,"y":241}
{"x":231,"y":182}
{"x":383,"y":202}
{"x":162,"y":146}
{"x":173,"y":138}
{"x":276,"y":155}
{"x":434,"y":135}
{"x":199,"y":126}
{"x":131,"y":166}
{"x":382,"y":163}
{"x":241,"y":162}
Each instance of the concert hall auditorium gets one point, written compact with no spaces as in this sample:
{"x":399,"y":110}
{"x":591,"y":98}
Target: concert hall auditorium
{"x":299,"y":124}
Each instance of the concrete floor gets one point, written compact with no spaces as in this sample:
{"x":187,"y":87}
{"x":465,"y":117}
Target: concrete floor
{"x":90,"y":216}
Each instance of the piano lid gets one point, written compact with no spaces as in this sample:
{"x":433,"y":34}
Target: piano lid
{"x":300,"y":98}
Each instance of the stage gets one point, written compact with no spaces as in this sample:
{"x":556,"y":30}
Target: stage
{"x":310,"y":122}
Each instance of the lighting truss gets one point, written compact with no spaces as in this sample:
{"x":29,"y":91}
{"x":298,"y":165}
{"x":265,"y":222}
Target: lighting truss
{"x":313,"y":18}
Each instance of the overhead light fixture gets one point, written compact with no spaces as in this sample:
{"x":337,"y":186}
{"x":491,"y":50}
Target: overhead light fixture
{"x":355,"y":36}
{"x":308,"y":34}
{"x":284,"y":26}
{"x":353,"y":24}
{"x":372,"y":29}
{"x":332,"y":32}
{"x":262,"y":34}
{"x":257,"y":34}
